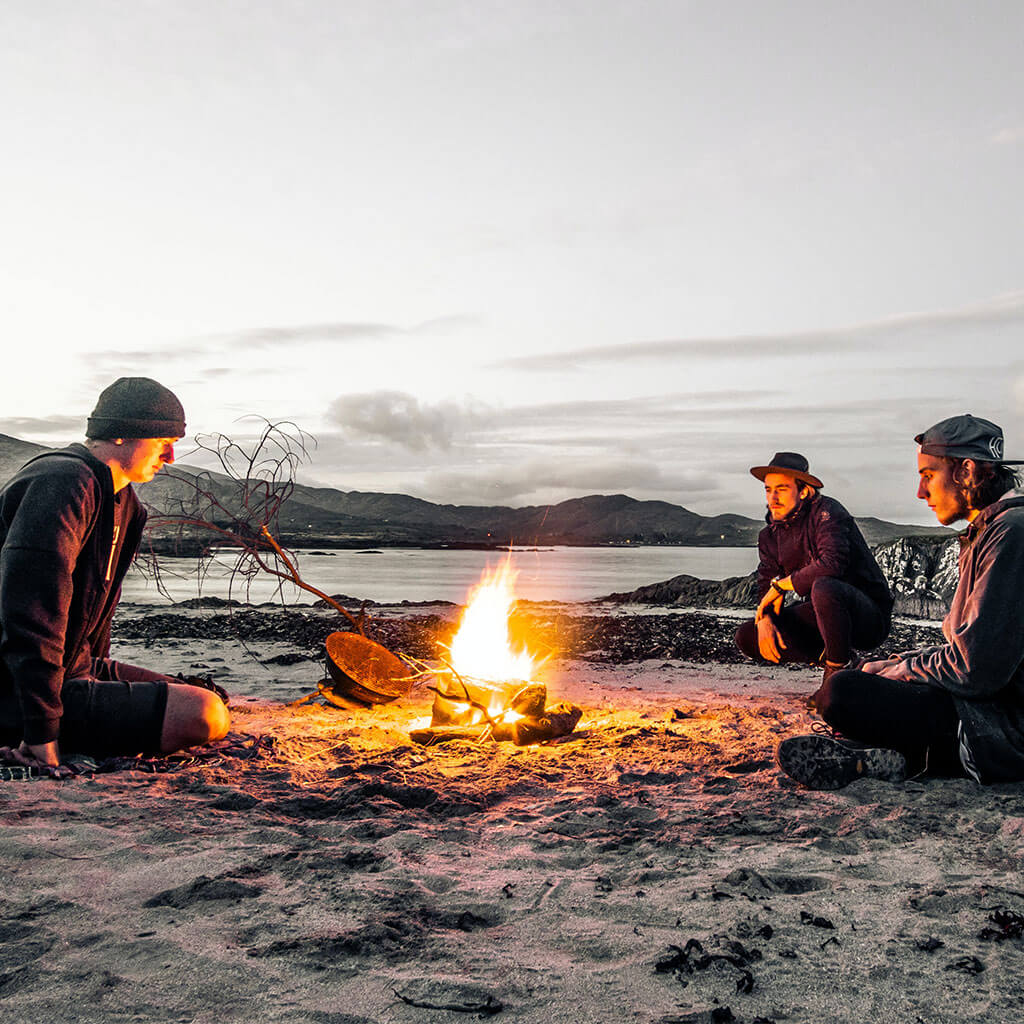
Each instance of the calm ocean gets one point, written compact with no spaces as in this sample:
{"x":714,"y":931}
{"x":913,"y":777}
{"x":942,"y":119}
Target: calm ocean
{"x":397,"y":574}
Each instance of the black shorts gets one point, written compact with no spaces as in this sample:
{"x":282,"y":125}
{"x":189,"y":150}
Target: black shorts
{"x":112,"y":718}
{"x":116,"y":711}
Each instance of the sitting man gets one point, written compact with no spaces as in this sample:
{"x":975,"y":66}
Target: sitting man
{"x":70,"y":525}
{"x":812,"y":547}
{"x":957,"y":707}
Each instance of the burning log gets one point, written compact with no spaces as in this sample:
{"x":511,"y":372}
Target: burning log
{"x":507,"y":712}
{"x":558,"y":720}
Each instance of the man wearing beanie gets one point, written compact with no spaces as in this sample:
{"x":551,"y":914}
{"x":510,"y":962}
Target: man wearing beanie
{"x":956,"y":708}
{"x":70,"y":526}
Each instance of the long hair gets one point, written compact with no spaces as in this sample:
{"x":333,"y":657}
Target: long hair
{"x":990,"y":481}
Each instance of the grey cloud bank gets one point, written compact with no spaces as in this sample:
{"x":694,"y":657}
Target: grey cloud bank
{"x":868,"y":337}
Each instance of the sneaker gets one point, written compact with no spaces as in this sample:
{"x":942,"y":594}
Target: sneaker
{"x":822,"y":762}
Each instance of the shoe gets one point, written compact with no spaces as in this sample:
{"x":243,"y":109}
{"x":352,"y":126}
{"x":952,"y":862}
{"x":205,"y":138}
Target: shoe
{"x":822,"y":762}
{"x":205,"y":683}
{"x":830,"y":669}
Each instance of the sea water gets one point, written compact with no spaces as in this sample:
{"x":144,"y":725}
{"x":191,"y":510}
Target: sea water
{"x":390,"y":575}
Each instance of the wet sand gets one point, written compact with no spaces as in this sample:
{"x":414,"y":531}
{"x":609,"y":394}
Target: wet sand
{"x":653,"y":866}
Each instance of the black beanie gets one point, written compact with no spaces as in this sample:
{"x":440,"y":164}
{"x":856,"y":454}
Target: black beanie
{"x":136,"y":407}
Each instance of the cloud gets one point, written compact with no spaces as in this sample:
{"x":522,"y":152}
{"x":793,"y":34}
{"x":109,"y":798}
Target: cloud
{"x":1002,"y":309}
{"x":400,"y":418}
{"x":1018,"y":394}
{"x":1007,"y":136}
{"x":43,"y":426}
{"x":341,"y":332}
{"x":276,"y":336}
{"x":557,"y":477}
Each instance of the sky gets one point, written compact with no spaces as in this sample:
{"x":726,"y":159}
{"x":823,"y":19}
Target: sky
{"x":512,"y":253}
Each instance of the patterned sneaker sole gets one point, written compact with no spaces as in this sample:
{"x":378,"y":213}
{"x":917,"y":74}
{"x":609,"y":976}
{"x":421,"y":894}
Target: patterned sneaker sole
{"x":820,"y":762}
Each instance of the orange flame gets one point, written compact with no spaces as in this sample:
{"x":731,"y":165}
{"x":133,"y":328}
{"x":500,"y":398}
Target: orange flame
{"x":482,"y":647}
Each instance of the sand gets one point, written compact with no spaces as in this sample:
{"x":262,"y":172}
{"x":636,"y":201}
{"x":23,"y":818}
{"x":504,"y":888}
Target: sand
{"x":344,"y":875}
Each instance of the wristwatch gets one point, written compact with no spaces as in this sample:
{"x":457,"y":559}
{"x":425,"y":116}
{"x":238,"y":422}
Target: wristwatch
{"x":775,"y":585}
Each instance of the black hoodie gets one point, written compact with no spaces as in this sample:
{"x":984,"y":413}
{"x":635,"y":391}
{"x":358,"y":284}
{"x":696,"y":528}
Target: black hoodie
{"x":58,"y":586}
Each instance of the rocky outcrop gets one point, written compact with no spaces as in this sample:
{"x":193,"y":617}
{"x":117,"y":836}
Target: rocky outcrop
{"x":922,"y":573}
{"x":690,"y":592}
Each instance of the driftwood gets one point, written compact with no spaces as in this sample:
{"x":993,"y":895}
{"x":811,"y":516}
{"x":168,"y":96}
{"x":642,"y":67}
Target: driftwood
{"x":432,"y":734}
{"x":558,"y":720}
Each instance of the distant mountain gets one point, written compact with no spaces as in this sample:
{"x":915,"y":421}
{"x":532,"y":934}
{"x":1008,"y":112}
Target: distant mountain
{"x":325,"y":517}
{"x":14,"y":453}
{"x":595,"y":519}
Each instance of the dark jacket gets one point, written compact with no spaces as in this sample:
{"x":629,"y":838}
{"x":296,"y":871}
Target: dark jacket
{"x":819,"y":539}
{"x":58,"y":590}
{"x":981,"y":664}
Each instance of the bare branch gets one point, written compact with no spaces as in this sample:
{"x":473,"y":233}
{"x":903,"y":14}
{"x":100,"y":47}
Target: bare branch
{"x":241,"y":507}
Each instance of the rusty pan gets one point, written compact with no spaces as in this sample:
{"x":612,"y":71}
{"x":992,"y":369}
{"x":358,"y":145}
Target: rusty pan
{"x":364,"y":671}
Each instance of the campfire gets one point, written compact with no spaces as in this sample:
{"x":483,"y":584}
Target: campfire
{"x":485,"y":687}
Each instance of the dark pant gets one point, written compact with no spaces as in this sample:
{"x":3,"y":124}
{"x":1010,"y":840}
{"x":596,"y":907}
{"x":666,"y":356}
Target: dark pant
{"x":919,"y":721}
{"x":831,"y":622}
{"x":117,"y":709}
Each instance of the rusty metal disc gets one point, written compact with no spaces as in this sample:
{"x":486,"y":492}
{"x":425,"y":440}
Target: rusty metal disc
{"x":364,"y":670}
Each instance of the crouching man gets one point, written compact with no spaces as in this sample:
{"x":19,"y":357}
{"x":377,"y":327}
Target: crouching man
{"x":70,"y":525}
{"x":956,"y":708}
{"x":813,"y":551}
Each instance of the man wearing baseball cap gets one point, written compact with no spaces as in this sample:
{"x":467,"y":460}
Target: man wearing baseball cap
{"x":821,"y":592}
{"x":956,"y":708}
{"x":70,"y":525}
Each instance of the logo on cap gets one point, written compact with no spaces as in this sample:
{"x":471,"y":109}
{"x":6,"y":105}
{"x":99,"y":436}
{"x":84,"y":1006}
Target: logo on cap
{"x":995,"y":446}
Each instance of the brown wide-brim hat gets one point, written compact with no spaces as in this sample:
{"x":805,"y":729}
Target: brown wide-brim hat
{"x":790,"y":464}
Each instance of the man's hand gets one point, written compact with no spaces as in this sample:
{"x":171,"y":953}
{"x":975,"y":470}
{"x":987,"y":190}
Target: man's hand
{"x":44,"y":753}
{"x":769,"y":640}
{"x":771,"y":602}
{"x":43,"y":756}
{"x":891,"y":668}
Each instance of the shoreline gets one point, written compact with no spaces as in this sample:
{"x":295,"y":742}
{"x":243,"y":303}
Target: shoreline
{"x":221,"y":641}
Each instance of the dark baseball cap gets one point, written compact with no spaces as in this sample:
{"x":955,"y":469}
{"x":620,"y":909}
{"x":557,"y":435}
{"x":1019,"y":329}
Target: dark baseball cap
{"x":965,"y":437}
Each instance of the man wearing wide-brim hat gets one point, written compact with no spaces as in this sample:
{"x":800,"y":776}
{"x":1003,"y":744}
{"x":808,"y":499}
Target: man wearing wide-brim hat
{"x":821,"y":593}
{"x":70,"y":525}
{"x":955,"y":708}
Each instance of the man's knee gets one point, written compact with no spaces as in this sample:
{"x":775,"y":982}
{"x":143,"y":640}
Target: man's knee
{"x":828,"y":588}
{"x":193,"y":716}
{"x":835,"y":694}
{"x":746,"y":639}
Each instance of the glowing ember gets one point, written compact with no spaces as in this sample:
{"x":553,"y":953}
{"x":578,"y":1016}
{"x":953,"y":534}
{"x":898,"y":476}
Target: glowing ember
{"x":482,"y":648}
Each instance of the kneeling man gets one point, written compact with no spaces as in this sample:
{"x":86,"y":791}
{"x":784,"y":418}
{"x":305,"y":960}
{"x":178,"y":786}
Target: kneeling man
{"x":956,"y":708}
{"x":70,"y":525}
{"x":813,"y":549}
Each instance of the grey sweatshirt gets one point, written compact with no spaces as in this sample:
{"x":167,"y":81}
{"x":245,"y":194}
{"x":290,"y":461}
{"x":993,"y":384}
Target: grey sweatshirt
{"x":981,"y":664}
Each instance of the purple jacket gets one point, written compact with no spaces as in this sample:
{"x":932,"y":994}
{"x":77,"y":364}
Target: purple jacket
{"x":819,"y":539}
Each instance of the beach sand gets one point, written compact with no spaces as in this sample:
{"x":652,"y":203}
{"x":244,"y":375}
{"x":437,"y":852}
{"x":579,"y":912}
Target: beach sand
{"x":344,"y":875}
